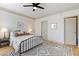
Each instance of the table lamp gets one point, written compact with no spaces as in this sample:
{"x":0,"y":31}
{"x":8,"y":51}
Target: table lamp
{"x":29,"y":30}
{"x":5,"y":33}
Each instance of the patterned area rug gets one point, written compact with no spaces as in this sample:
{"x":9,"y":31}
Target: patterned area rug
{"x":47,"y":49}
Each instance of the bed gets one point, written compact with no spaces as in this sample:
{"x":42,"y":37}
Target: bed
{"x":24,"y":43}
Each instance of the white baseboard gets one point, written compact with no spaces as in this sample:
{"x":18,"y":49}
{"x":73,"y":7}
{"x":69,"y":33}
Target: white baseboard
{"x":55,"y":42}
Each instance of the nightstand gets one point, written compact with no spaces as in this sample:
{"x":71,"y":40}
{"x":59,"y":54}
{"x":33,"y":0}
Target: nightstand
{"x":4,"y":43}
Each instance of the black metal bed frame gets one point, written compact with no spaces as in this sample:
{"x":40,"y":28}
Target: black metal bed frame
{"x":30,"y":41}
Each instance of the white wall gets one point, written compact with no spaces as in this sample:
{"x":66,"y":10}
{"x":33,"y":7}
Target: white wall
{"x":9,"y":20}
{"x":57,"y":34}
{"x":78,"y":31}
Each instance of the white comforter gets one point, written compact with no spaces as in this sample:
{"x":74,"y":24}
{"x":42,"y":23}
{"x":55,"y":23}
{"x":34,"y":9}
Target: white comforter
{"x":15,"y":41}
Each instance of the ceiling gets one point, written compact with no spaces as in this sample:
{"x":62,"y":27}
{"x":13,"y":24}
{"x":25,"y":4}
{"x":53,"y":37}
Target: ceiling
{"x":50,"y":8}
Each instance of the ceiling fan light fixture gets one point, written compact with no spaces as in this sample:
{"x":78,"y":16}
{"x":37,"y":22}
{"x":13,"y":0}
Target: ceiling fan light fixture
{"x":35,"y":8}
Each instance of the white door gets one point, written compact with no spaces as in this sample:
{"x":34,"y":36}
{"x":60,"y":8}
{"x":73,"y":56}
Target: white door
{"x":44,"y":31}
{"x":70,"y":31}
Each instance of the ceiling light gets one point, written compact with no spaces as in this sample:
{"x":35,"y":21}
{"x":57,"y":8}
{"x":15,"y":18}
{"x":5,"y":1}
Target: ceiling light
{"x":35,"y":8}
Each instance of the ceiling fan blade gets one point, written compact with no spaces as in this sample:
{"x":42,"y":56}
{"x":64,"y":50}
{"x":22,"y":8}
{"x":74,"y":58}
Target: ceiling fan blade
{"x":39,"y":7}
{"x":27,"y":5}
{"x":33,"y":3}
{"x":37,"y":3}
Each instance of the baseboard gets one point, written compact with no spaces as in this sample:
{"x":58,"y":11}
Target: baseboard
{"x":51,"y":41}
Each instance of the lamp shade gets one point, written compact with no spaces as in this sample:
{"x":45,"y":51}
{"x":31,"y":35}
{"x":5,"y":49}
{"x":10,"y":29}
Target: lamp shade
{"x":4,"y":30}
{"x":4,"y":33}
{"x":29,"y":30}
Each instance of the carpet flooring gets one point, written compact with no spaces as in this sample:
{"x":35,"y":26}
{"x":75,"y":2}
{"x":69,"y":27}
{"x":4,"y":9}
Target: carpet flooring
{"x":47,"y":49}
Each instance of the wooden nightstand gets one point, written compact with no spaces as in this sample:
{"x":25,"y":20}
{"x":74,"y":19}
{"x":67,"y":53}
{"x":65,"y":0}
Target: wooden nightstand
{"x":4,"y":43}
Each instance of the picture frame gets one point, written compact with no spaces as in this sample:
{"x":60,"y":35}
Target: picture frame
{"x":20,"y":25}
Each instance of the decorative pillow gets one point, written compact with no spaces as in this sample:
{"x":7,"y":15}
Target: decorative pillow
{"x":21,"y":33}
{"x":27,"y":33}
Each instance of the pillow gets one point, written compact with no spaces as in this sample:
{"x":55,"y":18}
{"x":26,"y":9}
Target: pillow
{"x":21,"y":33}
{"x":27,"y":33}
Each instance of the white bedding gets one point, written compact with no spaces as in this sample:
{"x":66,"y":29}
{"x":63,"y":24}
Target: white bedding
{"x":15,"y":41}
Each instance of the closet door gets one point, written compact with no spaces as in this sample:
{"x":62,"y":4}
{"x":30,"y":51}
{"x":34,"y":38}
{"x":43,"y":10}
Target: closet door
{"x":70,"y":31}
{"x":44,"y":29}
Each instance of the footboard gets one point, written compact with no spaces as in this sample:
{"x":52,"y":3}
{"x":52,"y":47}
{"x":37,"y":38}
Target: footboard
{"x":29,"y":43}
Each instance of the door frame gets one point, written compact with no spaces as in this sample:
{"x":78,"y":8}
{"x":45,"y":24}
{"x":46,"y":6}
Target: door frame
{"x":76,"y":29}
{"x":47,"y":28}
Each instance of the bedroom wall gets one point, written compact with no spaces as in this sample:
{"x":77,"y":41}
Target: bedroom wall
{"x":78,"y":31}
{"x":9,"y":20}
{"x":57,"y":34}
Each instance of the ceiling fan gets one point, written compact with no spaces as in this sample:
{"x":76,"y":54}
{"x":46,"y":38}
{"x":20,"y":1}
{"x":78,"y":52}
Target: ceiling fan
{"x":34,"y":5}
